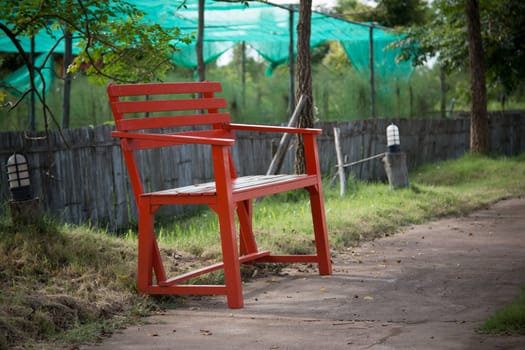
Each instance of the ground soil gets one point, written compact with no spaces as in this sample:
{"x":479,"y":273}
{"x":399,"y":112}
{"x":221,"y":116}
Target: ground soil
{"x":428,"y":287}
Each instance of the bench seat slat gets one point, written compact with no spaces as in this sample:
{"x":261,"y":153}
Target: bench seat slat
{"x":259,"y":183}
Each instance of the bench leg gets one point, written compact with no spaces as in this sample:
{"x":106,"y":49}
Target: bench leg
{"x":225,"y":209}
{"x":145,"y":247}
{"x":230,"y":257}
{"x":149,"y":259}
{"x":247,"y":241}
{"x":320,"y":230}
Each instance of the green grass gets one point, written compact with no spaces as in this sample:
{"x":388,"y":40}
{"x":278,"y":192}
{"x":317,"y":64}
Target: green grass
{"x":282,"y":223}
{"x":63,"y":286}
{"x":509,"y":319}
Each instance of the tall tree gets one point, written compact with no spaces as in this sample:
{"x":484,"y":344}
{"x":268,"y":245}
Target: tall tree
{"x":446,"y":34}
{"x":353,"y":10}
{"x":502,"y":23}
{"x":495,"y":51}
{"x":303,"y":86}
{"x":479,"y":123}
{"x":201,"y":67}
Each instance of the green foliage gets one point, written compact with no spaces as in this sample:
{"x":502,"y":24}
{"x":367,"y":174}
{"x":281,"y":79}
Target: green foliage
{"x":389,"y":13}
{"x":445,"y":36}
{"x":89,"y":107}
{"x":508,"y":320}
{"x":336,"y":58}
{"x":353,"y":10}
{"x":116,"y":41}
{"x":395,"y":13}
{"x":340,"y":94}
{"x":504,"y":42}
{"x":264,"y":98}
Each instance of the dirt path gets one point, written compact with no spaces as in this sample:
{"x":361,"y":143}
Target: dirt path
{"x":428,"y":287}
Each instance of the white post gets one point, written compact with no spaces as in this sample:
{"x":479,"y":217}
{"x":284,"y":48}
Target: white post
{"x":340,"y":165}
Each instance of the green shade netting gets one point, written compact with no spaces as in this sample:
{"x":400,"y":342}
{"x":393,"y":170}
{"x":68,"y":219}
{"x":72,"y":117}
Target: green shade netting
{"x":263,"y":26}
{"x":186,"y":56}
{"x":44,"y":42}
{"x":266,"y":28}
{"x":385,"y":65}
{"x":19,"y":81}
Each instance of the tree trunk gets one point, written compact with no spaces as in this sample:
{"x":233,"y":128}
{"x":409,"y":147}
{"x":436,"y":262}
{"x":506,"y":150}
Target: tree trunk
{"x":479,"y":123}
{"x":443,"y":83}
{"x":303,"y":78}
{"x":201,"y":68}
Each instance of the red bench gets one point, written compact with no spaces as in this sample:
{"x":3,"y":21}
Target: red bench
{"x":195,"y":104}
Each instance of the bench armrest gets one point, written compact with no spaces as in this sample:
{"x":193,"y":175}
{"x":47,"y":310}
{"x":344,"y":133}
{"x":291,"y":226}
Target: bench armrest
{"x":269,"y":128}
{"x":175,"y":139}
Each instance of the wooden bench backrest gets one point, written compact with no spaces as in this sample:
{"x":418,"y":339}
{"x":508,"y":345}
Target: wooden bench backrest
{"x":152,"y":106}
{"x":192,"y":98}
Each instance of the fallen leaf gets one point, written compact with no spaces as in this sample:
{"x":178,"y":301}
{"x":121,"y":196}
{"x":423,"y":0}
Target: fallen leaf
{"x":206,"y":332}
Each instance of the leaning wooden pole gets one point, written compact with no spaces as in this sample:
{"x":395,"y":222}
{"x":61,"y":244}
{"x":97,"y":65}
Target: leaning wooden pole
{"x":278,"y":158}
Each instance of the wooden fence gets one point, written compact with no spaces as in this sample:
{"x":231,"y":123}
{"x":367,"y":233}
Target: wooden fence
{"x":80,"y":177}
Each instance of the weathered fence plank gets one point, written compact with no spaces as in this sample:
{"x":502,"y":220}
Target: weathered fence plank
{"x":79,"y":174}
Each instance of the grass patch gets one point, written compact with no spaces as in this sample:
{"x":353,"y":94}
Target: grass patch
{"x":509,"y":320}
{"x":63,"y":286}
{"x":282,"y":223}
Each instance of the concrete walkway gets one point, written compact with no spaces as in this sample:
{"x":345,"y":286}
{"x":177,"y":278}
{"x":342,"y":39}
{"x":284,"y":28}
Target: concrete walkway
{"x":428,"y":287}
